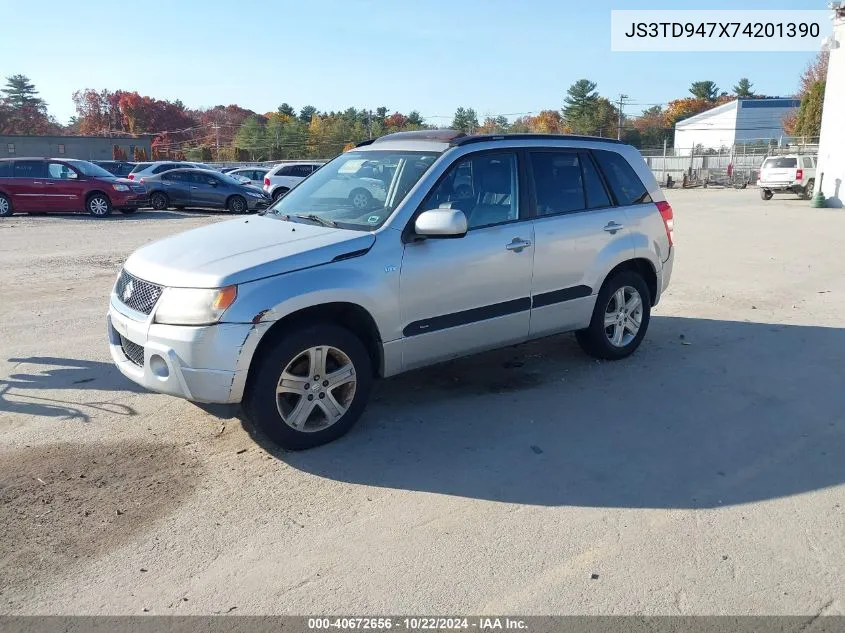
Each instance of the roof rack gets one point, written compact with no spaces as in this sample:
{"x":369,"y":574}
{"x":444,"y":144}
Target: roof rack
{"x":442,"y":135}
{"x":482,"y":138}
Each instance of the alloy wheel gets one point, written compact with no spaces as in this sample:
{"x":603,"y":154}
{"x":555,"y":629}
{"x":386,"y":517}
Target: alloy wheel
{"x":623,"y":316}
{"x":316,"y":389}
{"x":98,"y":206}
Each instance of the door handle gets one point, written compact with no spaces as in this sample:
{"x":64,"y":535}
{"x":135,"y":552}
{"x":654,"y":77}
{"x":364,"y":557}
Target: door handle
{"x":517,"y":245}
{"x":37,"y":182}
{"x":611,"y":227}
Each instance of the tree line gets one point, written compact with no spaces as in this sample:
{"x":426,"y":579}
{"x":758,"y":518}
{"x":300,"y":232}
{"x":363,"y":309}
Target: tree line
{"x":231,"y":132}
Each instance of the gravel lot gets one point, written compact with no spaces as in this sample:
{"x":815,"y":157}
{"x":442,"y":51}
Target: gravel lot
{"x":703,"y":475}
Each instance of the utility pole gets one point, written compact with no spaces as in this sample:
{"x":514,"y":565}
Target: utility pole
{"x":620,"y":105}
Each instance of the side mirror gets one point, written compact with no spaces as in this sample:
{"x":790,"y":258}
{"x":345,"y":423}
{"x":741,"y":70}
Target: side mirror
{"x":441,"y":223}
{"x":72,"y":175}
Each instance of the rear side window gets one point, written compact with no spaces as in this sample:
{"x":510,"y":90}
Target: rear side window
{"x":5,"y":169}
{"x":808,"y":162}
{"x":558,"y":183}
{"x":30,"y":169}
{"x":165,"y":167}
{"x":780,"y":163}
{"x":623,"y":180}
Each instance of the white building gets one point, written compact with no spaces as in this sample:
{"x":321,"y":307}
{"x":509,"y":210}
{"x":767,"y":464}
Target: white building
{"x":832,"y":141}
{"x":742,"y":120}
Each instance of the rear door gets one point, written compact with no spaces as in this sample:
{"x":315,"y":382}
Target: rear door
{"x":177,"y":186}
{"x":64,"y":188}
{"x":577,"y":227}
{"x":26,"y":185}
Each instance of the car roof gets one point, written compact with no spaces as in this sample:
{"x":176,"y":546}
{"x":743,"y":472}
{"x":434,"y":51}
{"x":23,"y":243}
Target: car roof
{"x":442,"y":139}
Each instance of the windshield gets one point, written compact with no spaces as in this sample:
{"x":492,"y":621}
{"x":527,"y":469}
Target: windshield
{"x":357,"y":190}
{"x":90,"y":169}
{"x":228,"y":179}
{"x":781,"y":163}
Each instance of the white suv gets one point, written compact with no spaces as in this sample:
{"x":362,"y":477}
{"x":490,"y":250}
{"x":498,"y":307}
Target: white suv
{"x":791,"y":173}
{"x":284,"y":177}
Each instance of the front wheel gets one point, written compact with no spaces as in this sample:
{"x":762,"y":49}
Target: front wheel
{"x":237,"y":204}
{"x":310,"y":387}
{"x":99,"y":205}
{"x":361,"y":199}
{"x":620,"y":318}
{"x":766,"y":194}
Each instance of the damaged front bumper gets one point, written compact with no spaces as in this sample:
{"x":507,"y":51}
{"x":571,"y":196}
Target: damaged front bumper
{"x":204,"y":363}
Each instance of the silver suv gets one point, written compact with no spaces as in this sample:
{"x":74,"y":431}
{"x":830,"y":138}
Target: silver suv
{"x":479,"y":242}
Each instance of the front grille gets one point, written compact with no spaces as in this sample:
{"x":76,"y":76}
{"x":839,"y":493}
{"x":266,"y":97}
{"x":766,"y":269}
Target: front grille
{"x":133,"y":351}
{"x":136,"y":293}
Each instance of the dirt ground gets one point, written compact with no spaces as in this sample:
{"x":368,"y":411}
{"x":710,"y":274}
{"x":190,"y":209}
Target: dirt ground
{"x":703,"y":475}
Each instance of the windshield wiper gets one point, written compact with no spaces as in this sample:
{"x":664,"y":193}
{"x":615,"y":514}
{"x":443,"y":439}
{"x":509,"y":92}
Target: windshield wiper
{"x":316,"y":218}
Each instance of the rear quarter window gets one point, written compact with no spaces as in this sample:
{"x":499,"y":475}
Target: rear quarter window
{"x":140,"y":167}
{"x":622,"y":179}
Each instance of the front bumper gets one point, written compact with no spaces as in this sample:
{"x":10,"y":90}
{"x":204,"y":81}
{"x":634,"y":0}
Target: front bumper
{"x":130,"y":200}
{"x":202,"y":364}
{"x":257,"y":204}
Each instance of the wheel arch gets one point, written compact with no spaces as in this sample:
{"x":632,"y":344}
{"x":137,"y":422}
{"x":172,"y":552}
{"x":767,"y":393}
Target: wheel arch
{"x":351,"y":316}
{"x":235,"y":195}
{"x":644,"y":268}
{"x":93,"y":193}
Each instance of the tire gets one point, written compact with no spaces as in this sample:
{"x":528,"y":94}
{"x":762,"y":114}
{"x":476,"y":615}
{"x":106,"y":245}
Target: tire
{"x":128,"y":211}
{"x":278,"y":193}
{"x":237,"y":204}
{"x":596,"y":340}
{"x":766,"y":194}
{"x":6,"y":209}
{"x":809,"y":190}
{"x":265,"y":408}
{"x":159,"y":201}
{"x":361,"y":199}
{"x":98,"y":205}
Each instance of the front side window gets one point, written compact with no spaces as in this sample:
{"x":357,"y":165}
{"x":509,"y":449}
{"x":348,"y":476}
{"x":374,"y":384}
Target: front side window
{"x":89,"y":169}
{"x":336,"y":193}
{"x":139,"y":167}
{"x":483,"y":186}
{"x":58,"y":171}
{"x":623,"y":180}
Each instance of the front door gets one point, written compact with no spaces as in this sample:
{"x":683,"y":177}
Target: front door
{"x":206,"y":190}
{"x":64,"y":188}
{"x":464,"y":295}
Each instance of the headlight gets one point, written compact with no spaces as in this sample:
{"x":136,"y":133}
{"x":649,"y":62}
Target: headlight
{"x":255,"y":194}
{"x":194,"y":306}
{"x":120,"y":187}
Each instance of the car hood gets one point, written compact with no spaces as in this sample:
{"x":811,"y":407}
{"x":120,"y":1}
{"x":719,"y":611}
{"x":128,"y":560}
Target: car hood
{"x":242,"y":250}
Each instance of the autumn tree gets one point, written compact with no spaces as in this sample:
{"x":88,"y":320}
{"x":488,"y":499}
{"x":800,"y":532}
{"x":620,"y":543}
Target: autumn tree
{"x":809,"y":119}
{"x":651,"y":129}
{"x":704,"y":90}
{"x":814,"y":74}
{"x":140,"y":154}
{"x":742,"y":90}
{"x":494,"y":125}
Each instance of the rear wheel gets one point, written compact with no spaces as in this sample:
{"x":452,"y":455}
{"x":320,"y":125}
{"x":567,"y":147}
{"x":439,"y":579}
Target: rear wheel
{"x":99,"y":205}
{"x":810,"y":189}
{"x":310,"y":387}
{"x":5,"y":206}
{"x":237,"y":204}
{"x":278,"y":193}
{"x":766,"y":194}
{"x":159,"y":201}
{"x":620,"y":318}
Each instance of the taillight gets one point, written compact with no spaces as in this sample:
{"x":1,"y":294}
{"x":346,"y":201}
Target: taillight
{"x":131,"y":176}
{"x":668,"y":219}
{"x":799,"y":174}
{"x":266,"y":181}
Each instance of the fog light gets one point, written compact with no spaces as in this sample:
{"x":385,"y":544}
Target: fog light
{"x":158,"y":366}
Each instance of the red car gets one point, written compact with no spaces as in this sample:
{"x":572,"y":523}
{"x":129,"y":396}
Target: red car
{"x":42,"y":185}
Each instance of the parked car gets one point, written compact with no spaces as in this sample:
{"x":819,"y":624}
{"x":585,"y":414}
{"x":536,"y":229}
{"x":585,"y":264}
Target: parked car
{"x":791,"y":173}
{"x":226,"y":170}
{"x":293,"y":313}
{"x":251,"y":175}
{"x":144,"y":170}
{"x":116,"y":167}
{"x":284,"y":177}
{"x":43,"y":185}
{"x":204,"y":188}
